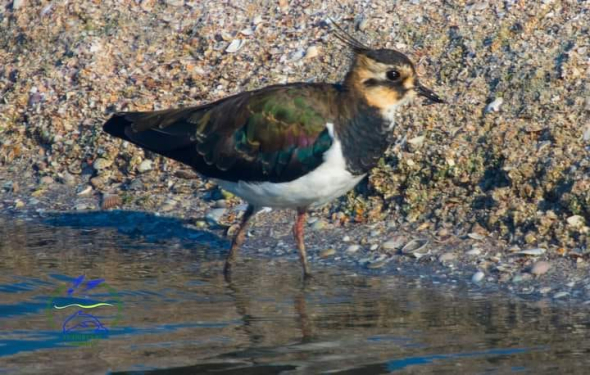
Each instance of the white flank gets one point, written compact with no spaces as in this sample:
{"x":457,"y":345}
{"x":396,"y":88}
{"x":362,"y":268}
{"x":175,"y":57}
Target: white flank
{"x":325,"y":183}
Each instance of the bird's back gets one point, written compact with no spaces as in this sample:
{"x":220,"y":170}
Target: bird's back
{"x":275,"y":134}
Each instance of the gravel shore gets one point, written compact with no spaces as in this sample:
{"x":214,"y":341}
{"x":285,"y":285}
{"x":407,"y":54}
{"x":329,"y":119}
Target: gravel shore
{"x":493,"y":187}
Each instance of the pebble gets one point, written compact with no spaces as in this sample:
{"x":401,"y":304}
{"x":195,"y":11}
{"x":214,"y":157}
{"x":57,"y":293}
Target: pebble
{"x":46,"y":180}
{"x":318,"y":225}
{"x":473,"y":252}
{"x":415,"y":246}
{"x":136,"y":184}
{"x":17,"y":4}
{"x":374,"y":247}
{"x":97,"y":182}
{"x":214,"y":216}
{"x":84,"y":191}
{"x":145,"y":166}
{"x":559,"y":295}
{"x":235,"y":45}
{"x":327,"y":253}
{"x":477,"y":277}
{"x":415,"y":143}
{"x":374,"y":233}
{"x":169,"y":205}
{"x":220,"y":203}
{"x":19,"y":204}
{"x":476,"y":236}
{"x":311,"y":52}
{"x":495,"y":105}
{"x":394,"y":243}
{"x":575,"y":221}
{"x":80,"y":207}
{"x":68,"y":179}
{"x":101,"y":163}
{"x":352,"y":249}
{"x":346,"y":239}
{"x":377,"y":264}
{"x":10,"y":186}
{"x":540,"y":268}
{"x":312,"y":220}
{"x":447,"y":257}
{"x":363,"y":24}
{"x":532,"y":252}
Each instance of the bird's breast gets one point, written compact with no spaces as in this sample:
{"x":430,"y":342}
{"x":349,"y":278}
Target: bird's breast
{"x":328,"y":181}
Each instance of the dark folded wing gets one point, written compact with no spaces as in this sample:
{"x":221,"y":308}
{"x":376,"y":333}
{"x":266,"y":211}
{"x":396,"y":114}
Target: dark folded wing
{"x":276,"y":134}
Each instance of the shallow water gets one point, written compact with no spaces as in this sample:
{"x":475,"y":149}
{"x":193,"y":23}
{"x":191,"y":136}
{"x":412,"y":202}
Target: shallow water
{"x":166,"y":306}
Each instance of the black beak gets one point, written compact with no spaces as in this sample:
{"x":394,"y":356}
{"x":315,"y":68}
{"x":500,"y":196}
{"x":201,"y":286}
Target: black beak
{"x":428,"y":93}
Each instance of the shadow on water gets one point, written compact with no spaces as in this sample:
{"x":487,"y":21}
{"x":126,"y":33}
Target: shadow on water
{"x":168,"y":309}
{"x":137,"y":224}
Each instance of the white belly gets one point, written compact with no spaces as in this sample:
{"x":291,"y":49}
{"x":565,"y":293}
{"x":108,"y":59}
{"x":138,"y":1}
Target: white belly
{"x":325,"y":183}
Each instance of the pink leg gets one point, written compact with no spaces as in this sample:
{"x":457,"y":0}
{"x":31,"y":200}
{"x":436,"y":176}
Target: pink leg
{"x":238,"y":241}
{"x":298,"y":234}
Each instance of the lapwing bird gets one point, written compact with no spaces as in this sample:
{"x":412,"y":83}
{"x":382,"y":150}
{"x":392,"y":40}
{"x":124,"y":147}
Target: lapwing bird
{"x":293,"y":146}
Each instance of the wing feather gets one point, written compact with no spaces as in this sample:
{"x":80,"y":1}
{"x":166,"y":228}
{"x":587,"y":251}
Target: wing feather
{"x":274,"y":134}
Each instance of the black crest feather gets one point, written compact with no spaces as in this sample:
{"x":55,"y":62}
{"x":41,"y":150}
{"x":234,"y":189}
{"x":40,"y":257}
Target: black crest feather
{"x":345,"y":37}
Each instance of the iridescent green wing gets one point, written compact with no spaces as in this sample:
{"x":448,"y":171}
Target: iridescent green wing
{"x":276,"y":134}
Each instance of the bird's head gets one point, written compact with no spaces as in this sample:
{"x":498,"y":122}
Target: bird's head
{"x":386,"y":78}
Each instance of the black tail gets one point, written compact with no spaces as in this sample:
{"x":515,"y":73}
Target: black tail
{"x":145,"y":130}
{"x":116,"y":126}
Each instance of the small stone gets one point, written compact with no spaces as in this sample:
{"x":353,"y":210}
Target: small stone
{"x":560,"y":295}
{"x":532,"y":252}
{"x":394,"y":243}
{"x":10,"y":187}
{"x":377,"y":264}
{"x":220,"y":203}
{"x":476,"y":236}
{"x":101,"y":163}
{"x":416,"y":143}
{"x":311,"y":52}
{"x":540,"y":268}
{"x":46,"y":180}
{"x":473,"y":252}
{"x":576,"y":221}
{"x":477,"y":277}
{"x":235,"y":45}
{"x":374,"y":247}
{"x":327,"y":253}
{"x":169,"y":205}
{"x":145,"y":166}
{"x":447,"y":257}
{"x":97,"y":183}
{"x":18,"y":204}
{"x":135,"y":184}
{"x":85,"y":191}
{"x":68,"y":179}
{"x":517,"y":279}
{"x":318,"y":225}
{"x":362,"y":25}
{"x":495,"y":105}
{"x":80,"y":207}
{"x":352,"y":249}
{"x":17,"y":4}
{"x":175,"y":3}
{"x":214,"y":216}
{"x":346,"y":239}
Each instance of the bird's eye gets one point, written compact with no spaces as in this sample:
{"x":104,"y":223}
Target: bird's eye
{"x":393,"y":75}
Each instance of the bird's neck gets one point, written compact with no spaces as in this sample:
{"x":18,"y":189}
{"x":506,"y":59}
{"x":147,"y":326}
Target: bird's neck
{"x":365,"y":132}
